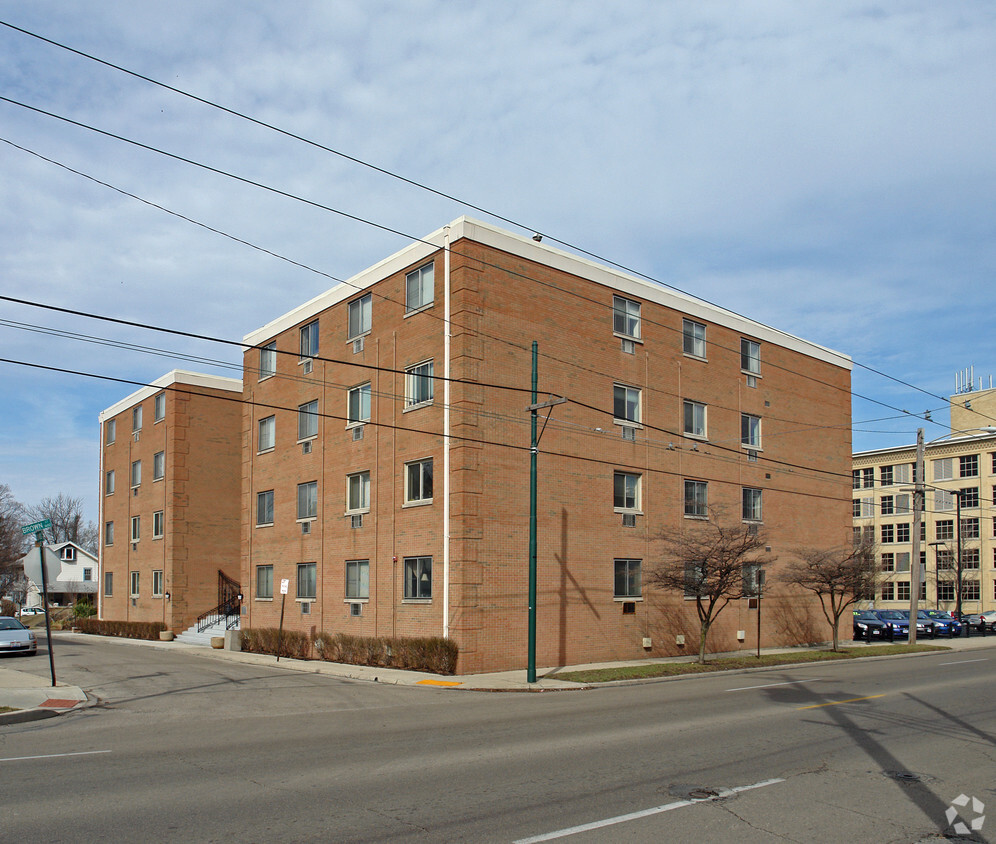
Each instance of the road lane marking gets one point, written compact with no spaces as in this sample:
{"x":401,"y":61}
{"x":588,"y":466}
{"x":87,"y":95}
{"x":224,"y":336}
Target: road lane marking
{"x":53,"y":755}
{"x":438,"y":683}
{"x":963,"y":661}
{"x":632,"y":816}
{"x":771,"y":685}
{"x":835,"y":702}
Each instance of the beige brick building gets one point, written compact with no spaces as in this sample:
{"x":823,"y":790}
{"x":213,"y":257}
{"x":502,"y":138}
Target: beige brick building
{"x":169,"y":498}
{"x":959,"y":466}
{"x":385,"y":453}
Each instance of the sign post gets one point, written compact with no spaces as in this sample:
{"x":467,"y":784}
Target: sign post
{"x":284,"y":587}
{"x":38,"y":529}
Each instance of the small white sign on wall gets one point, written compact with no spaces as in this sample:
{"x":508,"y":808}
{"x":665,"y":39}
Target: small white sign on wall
{"x":284,"y":586}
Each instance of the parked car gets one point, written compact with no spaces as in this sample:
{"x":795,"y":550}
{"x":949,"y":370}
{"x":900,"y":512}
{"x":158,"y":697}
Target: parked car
{"x":951,"y":625}
{"x":30,"y":611}
{"x":925,"y":625}
{"x":868,"y":626}
{"x":900,"y":623}
{"x":980,"y":620}
{"x":16,"y":638}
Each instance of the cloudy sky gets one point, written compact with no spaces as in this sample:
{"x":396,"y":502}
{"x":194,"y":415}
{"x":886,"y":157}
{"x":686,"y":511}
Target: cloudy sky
{"x":825,"y":168}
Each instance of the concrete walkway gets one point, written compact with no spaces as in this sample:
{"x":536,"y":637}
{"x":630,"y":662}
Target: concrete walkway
{"x":33,"y":696}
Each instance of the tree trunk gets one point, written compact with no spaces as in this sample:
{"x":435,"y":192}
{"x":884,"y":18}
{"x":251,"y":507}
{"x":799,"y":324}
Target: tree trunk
{"x":703,"y":633}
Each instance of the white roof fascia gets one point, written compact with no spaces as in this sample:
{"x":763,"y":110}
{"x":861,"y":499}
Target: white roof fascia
{"x":933,"y":444}
{"x":529,"y":249}
{"x":176,"y":376}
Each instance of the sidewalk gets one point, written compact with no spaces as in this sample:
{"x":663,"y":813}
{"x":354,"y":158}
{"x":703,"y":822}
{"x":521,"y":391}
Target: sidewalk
{"x":34,"y":697}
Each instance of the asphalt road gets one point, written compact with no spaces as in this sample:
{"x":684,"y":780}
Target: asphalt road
{"x":185,"y":748}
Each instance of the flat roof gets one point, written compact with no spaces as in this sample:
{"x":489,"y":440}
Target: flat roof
{"x":541,"y":253}
{"x":947,"y":442}
{"x":176,"y":376}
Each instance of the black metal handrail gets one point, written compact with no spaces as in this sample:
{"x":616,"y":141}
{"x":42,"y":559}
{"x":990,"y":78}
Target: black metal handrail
{"x":229,"y":605}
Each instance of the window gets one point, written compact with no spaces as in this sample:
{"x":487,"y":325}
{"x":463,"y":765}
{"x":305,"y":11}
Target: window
{"x":264,"y":508}
{"x":751,"y":504}
{"x":903,"y":590}
{"x":943,"y":469}
{"x":968,"y":466}
{"x":750,"y":431}
{"x":108,"y":533}
{"x":903,"y":532}
{"x":902,"y":473}
{"x":360,"y":316}
{"x":358,"y":492}
{"x":136,"y":418}
{"x":307,"y":500}
{"x":88,"y":575}
{"x":693,"y":338}
{"x":158,"y":465}
{"x":969,"y":497}
{"x":750,"y":356}
{"x":888,"y":561}
{"x":885,"y":476}
{"x":267,"y":436}
{"x":863,"y":478}
{"x":357,"y":579}
{"x":358,"y":405}
{"x":418,"y":288}
{"x":418,"y":577}
{"x":109,"y":483}
{"x":268,"y":360}
{"x":888,"y":591}
{"x":306,"y":582}
{"x":695,"y":418}
{"x":418,"y":384}
{"x":627,"y":579}
{"x":626,"y":404}
{"x":903,"y":561}
{"x":945,"y":559}
{"x":992,"y":455}
{"x":943,"y":500}
{"x":626,"y":492}
{"x":307,"y":420}
{"x":903,"y":505}
{"x":888,"y":534}
{"x":158,"y":581}
{"x":418,"y":482}
{"x":944,"y":529}
{"x":863,"y":508}
{"x":136,"y":528}
{"x":159,"y":407}
{"x":945,"y":590}
{"x":110,"y":431}
{"x":134,"y":584}
{"x":108,"y":584}
{"x":309,"y":340}
{"x":158,"y":524}
{"x":264,"y":581}
{"x":626,"y":317}
{"x":970,"y":590}
{"x":68,"y":553}
{"x":970,"y":528}
{"x":696,"y":498}
{"x":887,"y":505}
{"x":970,"y":558}
{"x":136,"y":473}
{"x":695,"y":574}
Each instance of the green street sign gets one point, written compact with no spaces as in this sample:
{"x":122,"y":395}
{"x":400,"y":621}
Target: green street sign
{"x":37,"y":527}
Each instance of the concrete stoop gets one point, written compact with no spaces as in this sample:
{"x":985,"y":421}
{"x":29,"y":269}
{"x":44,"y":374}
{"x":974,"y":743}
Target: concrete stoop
{"x":191,"y":636}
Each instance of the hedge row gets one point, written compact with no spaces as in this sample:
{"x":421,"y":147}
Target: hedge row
{"x":263,"y":640}
{"x":126,"y":629}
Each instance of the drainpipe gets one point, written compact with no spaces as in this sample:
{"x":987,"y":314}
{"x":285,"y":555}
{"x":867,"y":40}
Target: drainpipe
{"x":446,"y":432}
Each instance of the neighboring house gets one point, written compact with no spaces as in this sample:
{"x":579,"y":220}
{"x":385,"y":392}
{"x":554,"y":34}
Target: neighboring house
{"x":385,"y":466}
{"x":960,"y":469}
{"x":169,"y":504}
{"x":75,"y":575}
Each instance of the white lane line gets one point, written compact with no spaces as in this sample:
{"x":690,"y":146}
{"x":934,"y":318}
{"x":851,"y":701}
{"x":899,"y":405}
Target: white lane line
{"x":963,"y":661}
{"x":771,"y":685}
{"x":53,"y":755}
{"x":632,"y":816}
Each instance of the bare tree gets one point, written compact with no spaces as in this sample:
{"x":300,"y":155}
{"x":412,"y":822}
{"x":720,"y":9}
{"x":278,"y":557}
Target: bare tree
{"x":839,"y":577}
{"x":66,"y":515}
{"x":713,"y":562}
{"x":12,"y":542}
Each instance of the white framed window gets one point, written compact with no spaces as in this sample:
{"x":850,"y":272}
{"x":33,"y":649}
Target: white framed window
{"x":626,"y":404}
{"x":110,"y":431}
{"x":626,"y":317}
{"x":108,"y":533}
{"x":750,"y":431}
{"x":697,"y":499}
{"x":136,"y":473}
{"x":158,"y":465}
{"x":158,"y":524}
{"x":158,"y":583}
{"x":136,"y":528}
{"x":418,"y":288}
{"x":358,"y":492}
{"x":159,"y":407}
{"x":943,"y":469}
{"x":751,"y":504}
{"x":134,"y":584}
{"x":693,"y":338}
{"x":307,"y":500}
{"x":267,"y":435}
{"x":627,"y":579}
{"x":418,"y":482}
{"x":418,"y":578}
{"x":136,"y":418}
{"x":309,"y":340}
{"x":694,"y":418}
{"x":357,"y":579}
{"x":360,"y":316}
{"x":307,"y":421}
{"x":358,"y":404}
{"x":750,"y":356}
{"x":88,"y":575}
{"x":268,"y":360}
{"x":108,"y":584}
{"x":307,"y":584}
{"x":264,"y":581}
{"x":109,"y":482}
{"x":264,"y":508}
{"x":419,"y":385}
{"x":626,"y":492}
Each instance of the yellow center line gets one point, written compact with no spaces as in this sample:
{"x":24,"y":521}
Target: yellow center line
{"x":834,"y":703}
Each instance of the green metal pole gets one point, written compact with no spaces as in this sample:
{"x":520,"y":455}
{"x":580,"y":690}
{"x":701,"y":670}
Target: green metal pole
{"x":534,"y":448}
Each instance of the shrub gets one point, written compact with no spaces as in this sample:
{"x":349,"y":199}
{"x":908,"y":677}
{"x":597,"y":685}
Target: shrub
{"x":7,"y":607}
{"x":84,"y":609}
{"x":263,"y":640}
{"x":125,"y":629}
{"x":433,"y":654}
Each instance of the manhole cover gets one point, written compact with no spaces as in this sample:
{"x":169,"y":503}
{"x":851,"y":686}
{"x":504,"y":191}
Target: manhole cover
{"x":702,"y":793}
{"x":904,"y":776}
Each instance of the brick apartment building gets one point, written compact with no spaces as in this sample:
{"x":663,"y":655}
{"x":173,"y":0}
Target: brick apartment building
{"x":385,"y":465}
{"x":169,"y":500}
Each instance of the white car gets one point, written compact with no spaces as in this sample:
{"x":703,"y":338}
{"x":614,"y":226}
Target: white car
{"x":16,"y":638}
{"x":30,"y":611}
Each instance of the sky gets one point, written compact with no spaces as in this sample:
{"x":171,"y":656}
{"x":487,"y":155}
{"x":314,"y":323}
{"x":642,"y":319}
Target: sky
{"x":824,"y":168}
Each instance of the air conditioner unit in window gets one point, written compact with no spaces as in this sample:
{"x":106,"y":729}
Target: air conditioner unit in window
{"x":306,"y":447}
{"x":629,"y":347}
{"x":135,"y":435}
{"x":751,"y":456}
{"x":356,"y":609}
{"x":752,"y":530}
{"x":305,"y":527}
{"x":751,"y":380}
{"x":307,"y":366}
{"x":356,"y":521}
{"x":357,"y":345}
{"x":305,"y":608}
{"x":629,"y":519}
{"x":358,"y":433}
{"x":629,"y":433}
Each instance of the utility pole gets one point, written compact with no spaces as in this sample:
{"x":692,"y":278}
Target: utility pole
{"x":918,"y":495}
{"x":958,"y":528}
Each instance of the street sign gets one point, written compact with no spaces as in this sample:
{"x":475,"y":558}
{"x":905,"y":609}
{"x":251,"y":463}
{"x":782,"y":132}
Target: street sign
{"x":284,"y":586}
{"x":37,"y":527}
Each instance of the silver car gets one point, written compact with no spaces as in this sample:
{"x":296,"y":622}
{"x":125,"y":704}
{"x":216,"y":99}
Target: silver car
{"x":16,"y":638}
